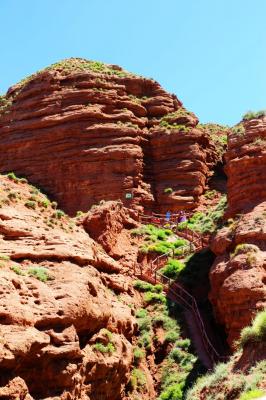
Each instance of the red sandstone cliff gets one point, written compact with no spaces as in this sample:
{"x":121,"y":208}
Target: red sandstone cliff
{"x":56,"y":304}
{"x":238,"y":277}
{"x":85,"y":131}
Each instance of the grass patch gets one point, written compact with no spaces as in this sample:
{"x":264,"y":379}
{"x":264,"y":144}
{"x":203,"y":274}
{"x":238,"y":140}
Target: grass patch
{"x":256,"y":332}
{"x":17,"y":270}
{"x":150,"y":297}
{"x":253,"y":115}
{"x":109,"y":348}
{"x":173,"y":268}
{"x":206,"y":223}
{"x":39,"y":273}
{"x":143,"y":286}
{"x":252,"y":394}
{"x":138,"y":379}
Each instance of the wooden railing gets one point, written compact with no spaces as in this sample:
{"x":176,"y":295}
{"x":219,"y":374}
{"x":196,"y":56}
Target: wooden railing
{"x":175,"y":291}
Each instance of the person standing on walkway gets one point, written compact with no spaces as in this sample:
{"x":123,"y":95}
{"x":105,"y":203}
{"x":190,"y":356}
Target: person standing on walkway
{"x":168,"y":216}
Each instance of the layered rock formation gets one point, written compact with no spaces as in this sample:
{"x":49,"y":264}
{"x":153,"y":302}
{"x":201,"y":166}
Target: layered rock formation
{"x":57,"y":313}
{"x":85,"y":131}
{"x":245,"y":165}
{"x":238,"y":277}
{"x":110,"y":225}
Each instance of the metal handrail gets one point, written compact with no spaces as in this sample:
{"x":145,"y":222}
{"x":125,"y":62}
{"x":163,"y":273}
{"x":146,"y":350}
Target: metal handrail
{"x":178,"y":292}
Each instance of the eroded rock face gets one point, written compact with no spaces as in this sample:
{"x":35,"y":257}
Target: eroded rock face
{"x":55,"y":305}
{"x":110,"y":225}
{"x":245,"y":165}
{"x":238,"y":276}
{"x":85,"y":132}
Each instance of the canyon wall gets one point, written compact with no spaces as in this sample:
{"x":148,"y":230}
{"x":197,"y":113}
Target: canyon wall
{"x":238,"y":277}
{"x":64,"y":331}
{"x":85,"y":131}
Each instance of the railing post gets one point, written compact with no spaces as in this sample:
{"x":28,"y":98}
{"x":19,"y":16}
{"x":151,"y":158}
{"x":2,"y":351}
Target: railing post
{"x":173,"y":253}
{"x":141,"y":270}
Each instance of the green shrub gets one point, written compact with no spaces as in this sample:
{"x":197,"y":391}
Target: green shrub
{"x":171,"y":336}
{"x":109,"y":348}
{"x":252,"y":115}
{"x":183,"y":344}
{"x":244,"y":248}
{"x":44,"y":203}
{"x":12,"y":177}
{"x":252,"y":394}
{"x":173,"y":392}
{"x":31,"y":204}
{"x":17,"y":270}
{"x":4,"y":257}
{"x":144,"y":324}
{"x":147,"y":287}
{"x":239,"y":130}
{"x":79,"y":213}
{"x":151,"y":297}
{"x":59,"y":214}
{"x":138,"y":379}
{"x":172,"y":268}
{"x":210,"y":194}
{"x":139,"y":354}
{"x":206,"y":223}
{"x":145,"y":340}
{"x":168,"y":190}
{"x":39,"y":273}
{"x":141,"y":313}
{"x":256,"y":332}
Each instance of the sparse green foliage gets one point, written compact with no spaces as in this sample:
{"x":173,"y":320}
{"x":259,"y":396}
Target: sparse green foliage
{"x":31,"y":204}
{"x":4,"y":257}
{"x":252,"y":394}
{"x":39,"y":273}
{"x":254,"y":114}
{"x":210,"y":194}
{"x":150,"y":297}
{"x":17,"y":270}
{"x":168,"y":190}
{"x":172,"y":268}
{"x":173,"y":392}
{"x":58,"y":214}
{"x":147,"y":287}
{"x":44,"y":203}
{"x":12,"y":177}
{"x":109,"y":348}
{"x":138,"y":379}
{"x":238,"y":130}
{"x":245,"y":248}
{"x":139,"y":354}
{"x":206,"y":223}
{"x":256,"y":332}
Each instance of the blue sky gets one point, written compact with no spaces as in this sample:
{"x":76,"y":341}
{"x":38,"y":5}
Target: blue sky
{"x":210,"y":53}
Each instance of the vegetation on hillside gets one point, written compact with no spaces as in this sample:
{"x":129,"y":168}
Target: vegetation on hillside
{"x":209,"y":222}
{"x":228,"y":383}
{"x":256,"y":332}
{"x":254,"y":114}
{"x":161,"y":337}
{"x":158,"y":240}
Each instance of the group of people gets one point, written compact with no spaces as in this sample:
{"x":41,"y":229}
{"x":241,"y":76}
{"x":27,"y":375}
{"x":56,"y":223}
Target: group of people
{"x":169,"y":217}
